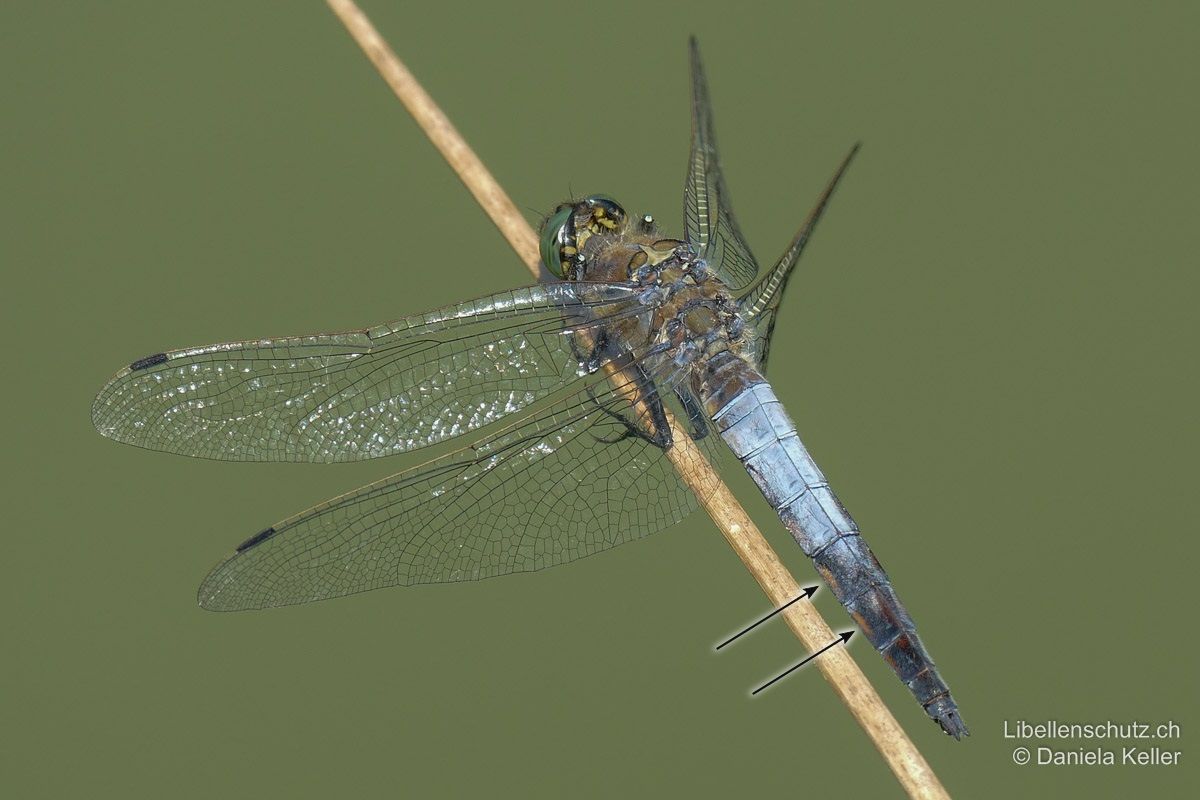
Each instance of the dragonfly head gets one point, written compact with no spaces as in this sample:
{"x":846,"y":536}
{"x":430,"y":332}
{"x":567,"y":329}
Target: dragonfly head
{"x":565,"y":232}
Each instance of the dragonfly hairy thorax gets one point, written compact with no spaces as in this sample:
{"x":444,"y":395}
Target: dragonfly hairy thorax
{"x":694,"y":315}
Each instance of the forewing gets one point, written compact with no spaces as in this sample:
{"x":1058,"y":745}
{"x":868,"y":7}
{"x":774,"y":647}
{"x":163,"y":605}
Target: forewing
{"x":707,"y":210}
{"x":364,"y":393}
{"x":569,"y":481}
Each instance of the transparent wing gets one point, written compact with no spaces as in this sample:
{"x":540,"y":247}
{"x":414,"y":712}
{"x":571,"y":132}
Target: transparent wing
{"x":577,"y":477}
{"x":760,"y":305}
{"x":707,"y":211}
{"x":759,"y":330}
{"x":364,"y":393}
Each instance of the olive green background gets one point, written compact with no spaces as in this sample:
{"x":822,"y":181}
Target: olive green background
{"x":1000,"y":307}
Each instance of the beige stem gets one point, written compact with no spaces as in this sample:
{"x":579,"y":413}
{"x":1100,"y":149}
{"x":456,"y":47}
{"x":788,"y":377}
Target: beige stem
{"x":743,"y":536}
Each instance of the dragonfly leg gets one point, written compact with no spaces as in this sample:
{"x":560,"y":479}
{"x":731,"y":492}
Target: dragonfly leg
{"x":654,"y":416}
{"x":695,"y":414}
{"x":598,"y":350}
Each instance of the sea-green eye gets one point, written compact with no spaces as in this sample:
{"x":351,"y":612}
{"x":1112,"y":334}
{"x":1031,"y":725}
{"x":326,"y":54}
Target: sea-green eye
{"x":554,"y":236}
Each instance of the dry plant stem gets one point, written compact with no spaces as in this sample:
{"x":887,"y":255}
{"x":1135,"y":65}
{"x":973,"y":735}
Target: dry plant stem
{"x":442,"y":133}
{"x":743,"y":536}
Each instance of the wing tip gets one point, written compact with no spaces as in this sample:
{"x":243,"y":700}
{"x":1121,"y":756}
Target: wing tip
{"x":210,"y":595}
{"x":104,"y":401}
{"x":697,"y":62}
{"x":101,"y":408}
{"x":256,"y":539}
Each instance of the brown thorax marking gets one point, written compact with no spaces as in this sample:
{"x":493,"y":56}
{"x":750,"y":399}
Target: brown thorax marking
{"x":692,"y":311}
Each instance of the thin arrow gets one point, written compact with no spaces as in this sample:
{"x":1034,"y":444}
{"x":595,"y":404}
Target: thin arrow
{"x":808,"y":592}
{"x":842,"y":639}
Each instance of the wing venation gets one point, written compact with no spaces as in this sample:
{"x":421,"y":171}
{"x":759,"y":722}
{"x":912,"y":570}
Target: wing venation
{"x":364,"y":393}
{"x":707,"y":210}
{"x":570,"y":480}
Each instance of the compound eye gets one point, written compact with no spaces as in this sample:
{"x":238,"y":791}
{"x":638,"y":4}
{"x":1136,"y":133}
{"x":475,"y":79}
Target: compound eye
{"x":555,"y":236}
{"x":605,"y":211}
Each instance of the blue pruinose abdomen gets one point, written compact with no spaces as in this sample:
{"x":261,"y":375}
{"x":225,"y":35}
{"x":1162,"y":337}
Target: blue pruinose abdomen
{"x":756,"y":428}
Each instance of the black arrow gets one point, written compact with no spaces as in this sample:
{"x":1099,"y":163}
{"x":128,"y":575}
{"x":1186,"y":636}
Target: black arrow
{"x":808,"y":592}
{"x":842,"y":639}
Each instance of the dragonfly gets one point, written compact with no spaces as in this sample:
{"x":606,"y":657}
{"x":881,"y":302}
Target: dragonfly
{"x":561,"y":403}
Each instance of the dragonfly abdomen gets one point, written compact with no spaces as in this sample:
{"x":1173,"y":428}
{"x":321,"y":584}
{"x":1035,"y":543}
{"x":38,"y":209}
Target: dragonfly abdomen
{"x":754,"y":424}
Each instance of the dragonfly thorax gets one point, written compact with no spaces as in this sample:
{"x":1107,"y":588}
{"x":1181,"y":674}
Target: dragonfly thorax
{"x":692,"y":313}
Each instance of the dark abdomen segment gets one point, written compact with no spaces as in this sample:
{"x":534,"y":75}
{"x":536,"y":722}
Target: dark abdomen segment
{"x":755,"y":426}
